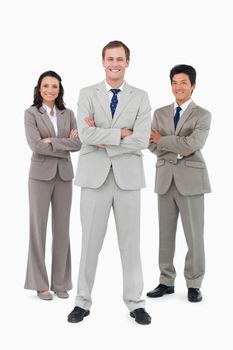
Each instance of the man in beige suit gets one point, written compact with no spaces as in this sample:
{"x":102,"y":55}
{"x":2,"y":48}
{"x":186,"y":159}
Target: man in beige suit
{"x":114,"y":126}
{"x":179,"y":132}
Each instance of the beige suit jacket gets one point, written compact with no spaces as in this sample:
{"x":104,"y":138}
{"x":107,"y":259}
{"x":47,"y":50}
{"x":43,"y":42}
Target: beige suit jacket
{"x":133,"y":112}
{"x":190,"y":173}
{"x":47,"y":158}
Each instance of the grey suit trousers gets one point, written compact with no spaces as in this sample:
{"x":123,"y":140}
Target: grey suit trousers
{"x":95,"y":209}
{"x":41,"y":193}
{"x":191,"y":209}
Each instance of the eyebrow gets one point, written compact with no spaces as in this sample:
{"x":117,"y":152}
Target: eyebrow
{"x":120,"y":57}
{"x":181,"y":81}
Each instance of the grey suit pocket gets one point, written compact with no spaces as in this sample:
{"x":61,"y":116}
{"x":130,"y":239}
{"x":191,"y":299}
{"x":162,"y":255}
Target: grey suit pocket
{"x":194,"y":164}
{"x":160,"y":162}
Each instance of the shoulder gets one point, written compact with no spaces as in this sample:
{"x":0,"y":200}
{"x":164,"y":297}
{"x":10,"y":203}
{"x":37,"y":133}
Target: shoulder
{"x":201,"y":109}
{"x":136,"y":90}
{"x":66,"y":110}
{"x":164,"y":108}
{"x":67,"y":113}
{"x":31,"y":112}
{"x":201,"y":112}
{"x":32,"y":109}
{"x":90,"y":89}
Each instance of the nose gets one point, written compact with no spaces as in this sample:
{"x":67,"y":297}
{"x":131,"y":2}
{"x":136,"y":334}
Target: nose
{"x":115,"y":63}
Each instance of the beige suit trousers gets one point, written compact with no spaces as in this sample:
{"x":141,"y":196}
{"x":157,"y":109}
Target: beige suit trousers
{"x":95,"y":209}
{"x":191,"y":210}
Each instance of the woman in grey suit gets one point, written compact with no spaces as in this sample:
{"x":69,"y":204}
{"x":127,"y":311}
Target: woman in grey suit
{"x":51,"y":132}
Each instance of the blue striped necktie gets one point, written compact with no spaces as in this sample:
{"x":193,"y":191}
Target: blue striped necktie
{"x":114,"y":100}
{"x":177,"y":116}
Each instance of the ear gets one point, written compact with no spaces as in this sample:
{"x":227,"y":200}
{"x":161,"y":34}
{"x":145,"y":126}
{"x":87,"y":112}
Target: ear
{"x":127,"y":63}
{"x":193,"y":87}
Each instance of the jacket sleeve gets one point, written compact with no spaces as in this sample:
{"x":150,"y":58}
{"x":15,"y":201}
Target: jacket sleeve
{"x":93,"y":135}
{"x":141,"y":132}
{"x":66,"y":143}
{"x":34,"y":139}
{"x":153,"y":146}
{"x":154,"y":125}
{"x":187,"y":144}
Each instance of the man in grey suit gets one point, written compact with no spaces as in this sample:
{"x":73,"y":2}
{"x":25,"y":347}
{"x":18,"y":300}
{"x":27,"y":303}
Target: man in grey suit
{"x":179,"y":132}
{"x":114,"y":126}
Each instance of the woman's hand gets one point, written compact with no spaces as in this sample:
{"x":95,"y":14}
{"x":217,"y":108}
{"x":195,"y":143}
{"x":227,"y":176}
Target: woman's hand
{"x":47,"y":140}
{"x":73,"y":134}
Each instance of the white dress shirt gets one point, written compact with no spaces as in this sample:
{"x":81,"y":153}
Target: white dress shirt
{"x":183,"y":106}
{"x":110,"y":94}
{"x":53,"y":117}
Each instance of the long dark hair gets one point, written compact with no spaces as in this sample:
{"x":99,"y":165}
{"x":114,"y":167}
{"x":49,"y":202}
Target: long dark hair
{"x":38,"y":101}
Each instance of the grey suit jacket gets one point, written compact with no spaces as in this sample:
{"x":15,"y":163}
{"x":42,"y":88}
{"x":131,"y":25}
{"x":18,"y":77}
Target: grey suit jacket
{"x":190,"y":173}
{"x":133,"y":112}
{"x":46,"y":158}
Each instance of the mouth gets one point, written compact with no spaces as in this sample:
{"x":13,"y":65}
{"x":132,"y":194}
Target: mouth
{"x":114,"y":70}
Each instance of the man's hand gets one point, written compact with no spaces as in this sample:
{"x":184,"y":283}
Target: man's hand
{"x":154,"y":136}
{"x":126,"y":132}
{"x":90,"y":121}
{"x":73,"y":134}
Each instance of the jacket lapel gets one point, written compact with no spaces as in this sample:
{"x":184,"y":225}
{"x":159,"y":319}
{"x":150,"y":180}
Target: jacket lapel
{"x":124,"y":98}
{"x":102,"y":95}
{"x":61,"y":120}
{"x":47,"y":121}
{"x":185,"y":116}
{"x":170,"y":119}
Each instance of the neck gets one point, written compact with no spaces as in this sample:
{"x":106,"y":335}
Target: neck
{"x":180,"y":102}
{"x":115,"y":83}
{"x":49,"y":104}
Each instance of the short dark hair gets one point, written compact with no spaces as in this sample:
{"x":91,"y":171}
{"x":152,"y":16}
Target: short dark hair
{"x":186,"y":69}
{"x":113,"y":45}
{"x":38,"y":101}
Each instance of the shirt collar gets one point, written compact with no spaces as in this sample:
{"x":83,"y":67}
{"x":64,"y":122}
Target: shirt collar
{"x":109,"y":87}
{"x":47,"y":108}
{"x":184,"y":105}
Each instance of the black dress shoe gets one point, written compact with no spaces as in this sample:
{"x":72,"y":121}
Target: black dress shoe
{"x":141,"y":316}
{"x":160,"y":291}
{"x":194,"y":294}
{"x":77,"y":314}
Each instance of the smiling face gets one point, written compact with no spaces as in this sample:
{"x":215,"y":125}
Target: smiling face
{"x":49,"y":90}
{"x":115,"y":63}
{"x":182,"y":88}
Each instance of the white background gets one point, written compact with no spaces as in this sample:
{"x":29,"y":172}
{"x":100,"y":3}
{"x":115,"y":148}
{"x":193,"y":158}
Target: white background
{"x":68,"y":36}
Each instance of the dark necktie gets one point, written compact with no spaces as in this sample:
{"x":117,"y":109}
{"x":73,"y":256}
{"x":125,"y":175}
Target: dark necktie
{"x":177,"y":116}
{"x":114,"y":100}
